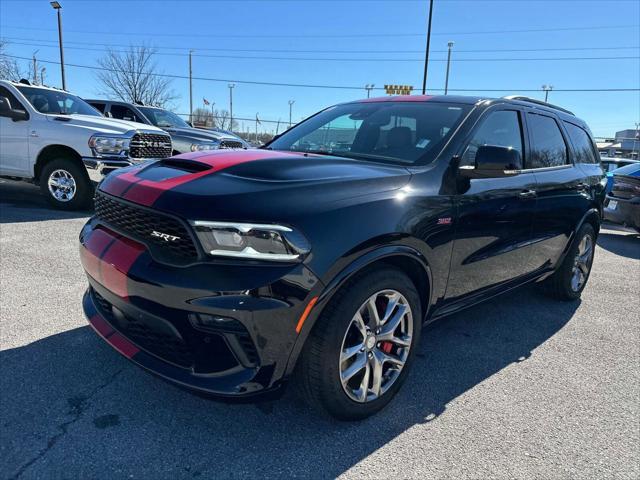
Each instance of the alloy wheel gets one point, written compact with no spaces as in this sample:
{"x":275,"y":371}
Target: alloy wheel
{"x":62,"y":185}
{"x":582,"y":263}
{"x":376,"y":346}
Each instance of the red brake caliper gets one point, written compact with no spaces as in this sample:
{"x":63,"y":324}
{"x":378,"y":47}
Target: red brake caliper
{"x":386,"y":346}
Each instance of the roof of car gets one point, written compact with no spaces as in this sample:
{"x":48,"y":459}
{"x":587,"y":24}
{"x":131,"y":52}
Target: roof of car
{"x":42,"y":87}
{"x":474,"y":100}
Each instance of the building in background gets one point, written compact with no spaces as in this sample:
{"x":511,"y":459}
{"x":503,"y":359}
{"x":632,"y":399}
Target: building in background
{"x":626,"y":144}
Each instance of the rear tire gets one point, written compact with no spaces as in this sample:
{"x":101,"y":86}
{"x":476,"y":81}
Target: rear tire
{"x":66,"y":185}
{"x":571,"y":277}
{"x":326,"y":363}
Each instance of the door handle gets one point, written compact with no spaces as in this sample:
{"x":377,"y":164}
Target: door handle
{"x":527,"y":194}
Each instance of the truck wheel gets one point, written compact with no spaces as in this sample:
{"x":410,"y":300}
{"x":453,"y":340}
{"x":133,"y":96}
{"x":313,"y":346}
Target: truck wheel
{"x":571,"y":277}
{"x":66,"y":184}
{"x":358,"y":354}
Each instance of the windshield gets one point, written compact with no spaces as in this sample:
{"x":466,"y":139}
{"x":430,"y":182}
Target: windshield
{"x":163,"y":118}
{"x":57,"y":102}
{"x":394,"y":132}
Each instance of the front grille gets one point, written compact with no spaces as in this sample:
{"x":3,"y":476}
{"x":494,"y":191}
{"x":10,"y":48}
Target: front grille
{"x":139,"y":223}
{"x":150,"y":145}
{"x":231,"y":144}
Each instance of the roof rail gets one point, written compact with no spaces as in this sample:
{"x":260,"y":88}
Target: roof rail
{"x":537,"y":102}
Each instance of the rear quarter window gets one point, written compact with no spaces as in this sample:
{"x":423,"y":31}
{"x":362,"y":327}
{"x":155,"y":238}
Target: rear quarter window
{"x":582,"y":144}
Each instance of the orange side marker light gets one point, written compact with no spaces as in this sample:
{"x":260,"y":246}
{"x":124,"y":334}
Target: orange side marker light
{"x":305,"y":314}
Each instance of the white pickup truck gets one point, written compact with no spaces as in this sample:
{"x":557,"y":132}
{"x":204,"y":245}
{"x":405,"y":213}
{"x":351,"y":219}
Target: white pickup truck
{"x":60,"y":142}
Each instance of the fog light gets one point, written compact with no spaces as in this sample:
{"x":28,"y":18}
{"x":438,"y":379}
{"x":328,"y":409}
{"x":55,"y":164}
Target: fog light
{"x":205,"y":321}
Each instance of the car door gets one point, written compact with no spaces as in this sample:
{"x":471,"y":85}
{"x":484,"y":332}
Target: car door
{"x":564,"y":189}
{"x":494,"y":215}
{"x":14,"y":144}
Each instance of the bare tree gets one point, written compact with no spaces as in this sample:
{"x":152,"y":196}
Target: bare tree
{"x":223,"y":120}
{"x":133,"y":76}
{"x":9,"y":68}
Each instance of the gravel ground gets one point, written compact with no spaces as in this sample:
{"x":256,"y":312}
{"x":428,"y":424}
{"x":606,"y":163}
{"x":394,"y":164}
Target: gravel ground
{"x":519,"y":387}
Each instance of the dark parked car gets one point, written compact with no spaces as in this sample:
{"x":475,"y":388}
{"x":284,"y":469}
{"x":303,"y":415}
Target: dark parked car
{"x":622,"y":204}
{"x":184,"y":137}
{"x":229,"y":272}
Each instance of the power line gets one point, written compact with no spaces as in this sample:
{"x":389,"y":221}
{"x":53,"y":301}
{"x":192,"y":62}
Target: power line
{"x":343,"y":59}
{"x":325,"y":35}
{"x":272,"y":50}
{"x":338,"y":87}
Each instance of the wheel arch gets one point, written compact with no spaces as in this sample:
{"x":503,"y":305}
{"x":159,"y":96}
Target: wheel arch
{"x":52,"y":152}
{"x":405,"y":258}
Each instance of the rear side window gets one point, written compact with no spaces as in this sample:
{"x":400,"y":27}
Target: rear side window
{"x":547,"y":144}
{"x":500,"y":129}
{"x":582,"y":144}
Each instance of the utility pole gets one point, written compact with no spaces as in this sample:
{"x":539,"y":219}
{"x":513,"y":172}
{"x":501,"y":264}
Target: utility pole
{"x":257,"y":121}
{"x":57,"y":7}
{"x":277,"y":126}
{"x":42,"y":70}
{"x":546,"y":89}
{"x":35,"y":68}
{"x":231,"y":86}
{"x":190,"y":89}
{"x":368,"y":88}
{"x":446,"y":82}
{"x":291,"y":102}
{"x":426,"y":55}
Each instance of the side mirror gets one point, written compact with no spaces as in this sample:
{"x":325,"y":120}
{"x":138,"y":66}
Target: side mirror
{"x":494,"y":162}
{"x":7,"y":111}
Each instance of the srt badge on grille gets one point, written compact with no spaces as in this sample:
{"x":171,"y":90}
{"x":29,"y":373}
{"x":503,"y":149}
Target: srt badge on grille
{"x":164,"y":236}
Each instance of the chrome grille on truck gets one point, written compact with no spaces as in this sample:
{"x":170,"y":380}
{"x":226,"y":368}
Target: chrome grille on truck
{"x":139,"y":224}
{"x":150,"y":145}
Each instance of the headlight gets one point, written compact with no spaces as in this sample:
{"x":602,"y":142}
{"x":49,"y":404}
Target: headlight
{"x":102,"y":144}
{"x":198,"y":147}
{"x":253,"y":241}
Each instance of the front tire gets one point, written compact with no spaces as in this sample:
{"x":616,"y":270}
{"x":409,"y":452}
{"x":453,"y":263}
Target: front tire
{"x":360,"y":351}
{"x":571,"y":277}
{"x":66,"y":185}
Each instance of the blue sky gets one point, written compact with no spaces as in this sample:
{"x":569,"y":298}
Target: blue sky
{"x":364,"y":34}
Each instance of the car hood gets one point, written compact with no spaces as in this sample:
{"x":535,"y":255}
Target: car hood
{"x":252,"y":185}
{"x":101,"y":124}
{"x":199,"y":135}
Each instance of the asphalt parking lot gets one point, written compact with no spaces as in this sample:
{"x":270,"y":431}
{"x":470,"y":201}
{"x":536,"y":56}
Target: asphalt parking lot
{"x":520,"y":387}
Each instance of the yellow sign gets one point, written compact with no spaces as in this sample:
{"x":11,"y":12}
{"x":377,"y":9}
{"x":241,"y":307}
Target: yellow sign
{"x":398,"y":89}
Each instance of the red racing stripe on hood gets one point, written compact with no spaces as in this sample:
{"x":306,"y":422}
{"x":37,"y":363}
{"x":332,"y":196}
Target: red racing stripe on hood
{"x":146,"y":192}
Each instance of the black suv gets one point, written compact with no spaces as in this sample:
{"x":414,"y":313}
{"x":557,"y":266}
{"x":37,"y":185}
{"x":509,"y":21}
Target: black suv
{"x":184,"y":137}
{"x":322,"y":255}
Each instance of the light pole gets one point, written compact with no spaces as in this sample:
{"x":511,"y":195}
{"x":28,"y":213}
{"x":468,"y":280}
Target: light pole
{"x":231,"y":86}
{"x":35,"y":68}
{"x":546,"y":89}
{"x":190,"y":89}
{"x":368,"y":88}
{"x":291,"y":102}
{"x":446,"y":81}
{"x":426,"y":55}
{"x":57,"y":7}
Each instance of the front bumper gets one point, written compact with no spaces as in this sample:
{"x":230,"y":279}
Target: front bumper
{"x":626,"y":211}
{"x":99,"y":167}
{"x":153,"y":313}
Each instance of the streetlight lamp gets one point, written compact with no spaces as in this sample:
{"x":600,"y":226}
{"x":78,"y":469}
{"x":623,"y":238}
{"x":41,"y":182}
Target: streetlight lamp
{"x":231,"y":86}
{"x":546,"y":89}
{"x":446,"y":81}
{"x":291,"y":102}
{"x":57,"y":7}
{"x":368,"y":88}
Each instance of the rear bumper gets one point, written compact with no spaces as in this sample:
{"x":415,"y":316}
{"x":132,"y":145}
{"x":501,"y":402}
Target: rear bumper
{"x":626,"y":211}
{"x":218,"y":328}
